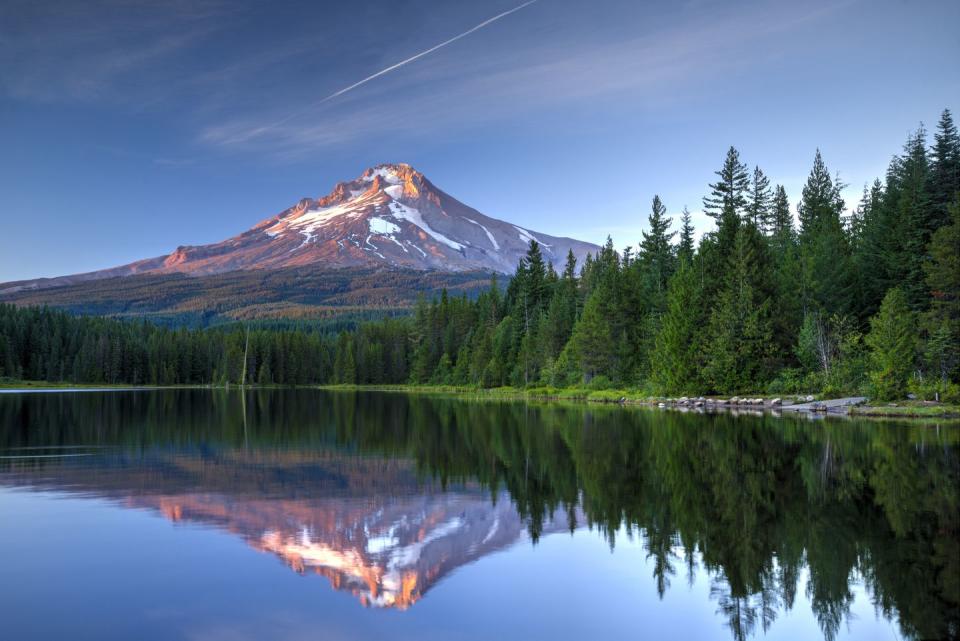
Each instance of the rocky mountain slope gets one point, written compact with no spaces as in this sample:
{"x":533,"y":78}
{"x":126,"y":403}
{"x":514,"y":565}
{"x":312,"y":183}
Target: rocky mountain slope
{"x":391,"y":216}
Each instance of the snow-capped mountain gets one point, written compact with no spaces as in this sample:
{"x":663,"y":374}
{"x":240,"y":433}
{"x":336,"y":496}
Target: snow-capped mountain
{"x":390,"y":216}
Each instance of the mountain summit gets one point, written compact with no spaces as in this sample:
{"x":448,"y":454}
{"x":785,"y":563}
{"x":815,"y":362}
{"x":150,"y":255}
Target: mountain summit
{"x":390,"y":216}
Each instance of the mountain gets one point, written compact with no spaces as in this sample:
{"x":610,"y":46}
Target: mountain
{"x":373,"y":527}
{"x":390,"y":217}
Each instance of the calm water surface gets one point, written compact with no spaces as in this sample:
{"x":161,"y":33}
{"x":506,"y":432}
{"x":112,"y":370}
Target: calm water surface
{"x":193,"y":514}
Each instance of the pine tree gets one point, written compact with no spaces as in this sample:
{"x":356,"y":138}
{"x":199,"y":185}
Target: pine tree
{"x":892,"y":343}
{"x":827,"y":274}
{"x":945,"y":169}
{"x":943,"y":281}
{"x":656,"y":252}
{"x":685,"y":248}
{"x":739,"y":349}
{"x":781,"y":220}
{"x":728,"y":196}
{"x":917,"y":217}
{"x":820,"y":204}
{"x":758,"y":201}
{"x":727,"y":203}
{"x":675,"y":359}
{"x":593,"y":338}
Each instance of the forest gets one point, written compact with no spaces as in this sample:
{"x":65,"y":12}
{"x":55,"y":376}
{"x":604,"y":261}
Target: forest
{"x":836,"y":300}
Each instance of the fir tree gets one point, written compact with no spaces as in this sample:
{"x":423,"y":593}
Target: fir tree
{"x":943,"y":281}
{"x":781,"y":220}
{"x":739,"y":348}
{"x":945,"y":169}
{"x":827,"y":275}
{"x":727,"y":201}
{"x":917,"y":217}
{"x":656,"y":252}
{"x":892,"y":343}
{"x":758,"y":208}
{"x":593,"y":338}
{"x":686,"y":247}
{"x":728,"y":196}
{"x":675,"y":360}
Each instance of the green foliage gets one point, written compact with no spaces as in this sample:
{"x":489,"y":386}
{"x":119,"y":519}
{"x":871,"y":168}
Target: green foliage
{"x":739,"y":346}
{"x":892,"y":343}
{"x":677,"y":349}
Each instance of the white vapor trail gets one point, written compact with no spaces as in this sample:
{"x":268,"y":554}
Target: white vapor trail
{"x":385,"y":71}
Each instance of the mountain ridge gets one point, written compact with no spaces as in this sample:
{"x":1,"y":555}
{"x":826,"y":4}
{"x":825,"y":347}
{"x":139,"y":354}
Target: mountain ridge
{"x":390,"y":216}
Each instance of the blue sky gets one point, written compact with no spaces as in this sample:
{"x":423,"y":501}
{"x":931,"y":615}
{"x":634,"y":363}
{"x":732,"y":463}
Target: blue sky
{"x":130,"y":127}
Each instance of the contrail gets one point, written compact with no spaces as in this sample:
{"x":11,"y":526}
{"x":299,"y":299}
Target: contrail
{"x":387,"y":70}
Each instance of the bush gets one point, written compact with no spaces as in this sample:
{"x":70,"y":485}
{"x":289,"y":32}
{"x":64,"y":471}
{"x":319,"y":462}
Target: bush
{"x":927,"y":389}
{"x":600,"y":382}
{"x":791,"y":380}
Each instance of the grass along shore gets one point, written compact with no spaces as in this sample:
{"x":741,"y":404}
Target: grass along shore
{"x":756,"y":402}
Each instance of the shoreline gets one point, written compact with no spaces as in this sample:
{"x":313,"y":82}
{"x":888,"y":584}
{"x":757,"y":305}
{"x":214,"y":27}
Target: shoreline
{"x":798,"y":405}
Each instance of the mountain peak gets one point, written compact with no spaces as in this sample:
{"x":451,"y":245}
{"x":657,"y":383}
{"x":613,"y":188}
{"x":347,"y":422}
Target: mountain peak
{"x":390,"y":216}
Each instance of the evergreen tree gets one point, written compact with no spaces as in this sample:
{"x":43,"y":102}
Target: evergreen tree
{"x":686,"y":247}
{"x":728,"y":196}
{"x":781,"y":220}
{"x":945,"y":169}
{"x":593,"y":336}
{"x":758,"y":201}
{"x":892,"y":343}
{"x":943,"y":281}
{"x":675,"y":360}
{"x":827,"y":274}
{"x":727,"y":201}
{"x":917,"y":216}
{"x":740,"y":349}
{"x":656,"y":252}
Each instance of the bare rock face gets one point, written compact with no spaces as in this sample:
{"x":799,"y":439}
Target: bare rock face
{"x":390,"y":216}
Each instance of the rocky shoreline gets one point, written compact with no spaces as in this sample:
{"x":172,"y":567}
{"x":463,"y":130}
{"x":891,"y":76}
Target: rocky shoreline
{"x":801,"y":404}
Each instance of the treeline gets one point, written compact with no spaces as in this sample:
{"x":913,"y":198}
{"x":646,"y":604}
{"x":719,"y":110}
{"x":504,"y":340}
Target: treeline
{"x":838,"y":301}
{"x":867,"y":300}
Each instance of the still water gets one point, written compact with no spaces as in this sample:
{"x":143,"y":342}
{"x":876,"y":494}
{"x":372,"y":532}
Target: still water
{"x":194,"y":514}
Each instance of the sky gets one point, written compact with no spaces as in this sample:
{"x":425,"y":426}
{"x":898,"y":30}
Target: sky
{"x":130,"y":127}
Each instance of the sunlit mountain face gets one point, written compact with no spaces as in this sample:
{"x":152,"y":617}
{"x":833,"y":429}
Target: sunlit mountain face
{"x":826,"y":525}
{"x":387,"y":552}
{"x":367,"y":524}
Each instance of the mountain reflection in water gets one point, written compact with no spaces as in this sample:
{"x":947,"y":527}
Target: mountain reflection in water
{"x":386,"y":494}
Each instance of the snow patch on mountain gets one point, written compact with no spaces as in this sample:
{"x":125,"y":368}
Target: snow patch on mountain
{"x":382,"y":226}
{"x":526,"y":237}
{"x":384,"y":172}
{"x":414,"y":216}
{"x":493,"y":241}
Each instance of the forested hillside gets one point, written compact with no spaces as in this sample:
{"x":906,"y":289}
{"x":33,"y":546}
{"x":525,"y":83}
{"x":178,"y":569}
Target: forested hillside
{"x":837,"y":299}
{"x":309,"y":293}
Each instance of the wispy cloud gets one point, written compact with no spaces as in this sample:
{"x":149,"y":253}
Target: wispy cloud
{"x":66,"y":51}
{"x":654,"y":69}
{"x":251,"y":133}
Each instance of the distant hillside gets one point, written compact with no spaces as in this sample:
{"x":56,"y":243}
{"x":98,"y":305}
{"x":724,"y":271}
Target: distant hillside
{"x":304,"y":293}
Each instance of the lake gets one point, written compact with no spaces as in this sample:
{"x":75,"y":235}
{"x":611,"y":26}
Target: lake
{"x":304,"y":514}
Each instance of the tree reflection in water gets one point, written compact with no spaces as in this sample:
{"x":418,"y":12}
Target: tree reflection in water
{"x":761,"y":504}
